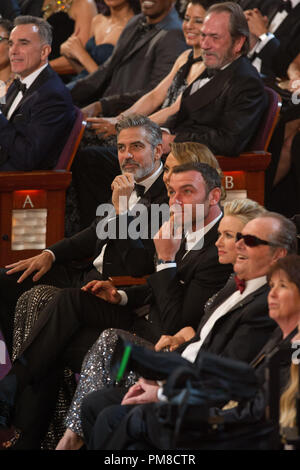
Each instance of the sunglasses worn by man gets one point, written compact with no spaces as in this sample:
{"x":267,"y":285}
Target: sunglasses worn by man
{"x":252,"y":240}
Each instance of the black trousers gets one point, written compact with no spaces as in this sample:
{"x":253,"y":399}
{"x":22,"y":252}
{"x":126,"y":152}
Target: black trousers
{"x":101,"y":414}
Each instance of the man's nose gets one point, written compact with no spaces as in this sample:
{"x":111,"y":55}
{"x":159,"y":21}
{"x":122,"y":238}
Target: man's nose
{"x":205,"y":42}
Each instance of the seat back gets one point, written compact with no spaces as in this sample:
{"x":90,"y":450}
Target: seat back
{"x":68,"y":153}
{"x":268,"y":122}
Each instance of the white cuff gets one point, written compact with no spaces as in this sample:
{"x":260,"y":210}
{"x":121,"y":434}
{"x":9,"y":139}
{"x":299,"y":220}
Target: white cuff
{"x":51,"y":252}
{"x":124,"y":298}
{"x":161,"y":396}
{"x":162,"y":266}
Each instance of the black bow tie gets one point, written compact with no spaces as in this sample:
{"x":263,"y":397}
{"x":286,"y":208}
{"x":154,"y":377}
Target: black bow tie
{"x":285,"y":5}
{"x":139,"y":189}
{"x":19,"y":85}
{"x":209,"y":73}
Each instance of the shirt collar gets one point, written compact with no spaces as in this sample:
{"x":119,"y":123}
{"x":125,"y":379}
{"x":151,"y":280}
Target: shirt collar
{"x":147,"y":182}
{"x":193,"y":237}
{"x":254,"y":284}
{"x":31,"y":78}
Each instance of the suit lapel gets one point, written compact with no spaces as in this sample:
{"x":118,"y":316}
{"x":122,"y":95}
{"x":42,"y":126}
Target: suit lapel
{"x":155,"y":190}
{"x":224,"y":294}
{"x":211,"y":90}
{"x":40,"y":80}
{"x":140,"y":43}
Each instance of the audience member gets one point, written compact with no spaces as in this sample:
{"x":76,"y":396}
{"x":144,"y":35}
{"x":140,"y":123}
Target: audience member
{"x":143,"y":55}
{"x":171,"y":292}
{"x":105,"y":31}
{"x":96,"y":368}
{"x":38,"y":114}
{"x":9,"y":9}
{"x":6,"y":75}
{"x":236,"y":313}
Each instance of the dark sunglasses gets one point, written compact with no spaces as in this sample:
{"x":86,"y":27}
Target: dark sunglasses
{"x":252,"y":240}
{"x":2,"y":38}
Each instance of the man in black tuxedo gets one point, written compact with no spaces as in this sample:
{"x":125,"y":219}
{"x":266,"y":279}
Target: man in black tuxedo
{"x":187,"y":275}
{"x":235,"y":325}
{"x":275,"y":31}
{"x":38,"y":114}
{"x":140,"y":149}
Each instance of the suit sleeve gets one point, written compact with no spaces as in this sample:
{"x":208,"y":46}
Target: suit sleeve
{"x":78,"y":247}
{"x":242,"y":110}
{"x":181,"y":305}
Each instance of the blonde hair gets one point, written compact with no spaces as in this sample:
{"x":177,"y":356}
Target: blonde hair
{"x":194,"y":152}
{"x":288,"y":400}
{"x":244,"y":209}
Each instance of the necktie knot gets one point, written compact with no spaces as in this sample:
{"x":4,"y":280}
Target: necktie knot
{"x":285,"y":5}
{"x":139,"y":189}
{"x":240,"y":284}
{"x":19,"y":85}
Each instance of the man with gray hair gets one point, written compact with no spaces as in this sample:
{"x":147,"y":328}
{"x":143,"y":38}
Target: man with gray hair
{"x":38,"y":114}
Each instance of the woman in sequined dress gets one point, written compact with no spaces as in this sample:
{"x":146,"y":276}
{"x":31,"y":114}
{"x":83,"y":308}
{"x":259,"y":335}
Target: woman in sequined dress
{"x":95,"y":372}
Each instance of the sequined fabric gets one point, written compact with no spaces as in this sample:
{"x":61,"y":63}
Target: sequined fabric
{"x":95,"y":372}
{"x":28,"y":308}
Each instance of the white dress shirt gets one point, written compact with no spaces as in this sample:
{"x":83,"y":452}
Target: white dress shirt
{"x":28,"y":81}
{"x":191,"y":351}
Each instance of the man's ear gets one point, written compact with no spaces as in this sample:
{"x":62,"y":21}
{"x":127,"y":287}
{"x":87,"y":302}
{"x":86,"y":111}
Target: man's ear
{"x":279,"y":253}
{"x":46,"y":50}
{"x":238,"y":44}
{"x":158,"y":151}
{"x":214,"y":196}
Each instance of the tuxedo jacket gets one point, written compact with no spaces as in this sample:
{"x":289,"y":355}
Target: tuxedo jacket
{"x":176,"y":296}
{"x":243,"y":331}
{"x":133,"y":70}
{"x":123,"y":256}
{"x":224,"y":113}
{"x":34,"y":136}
